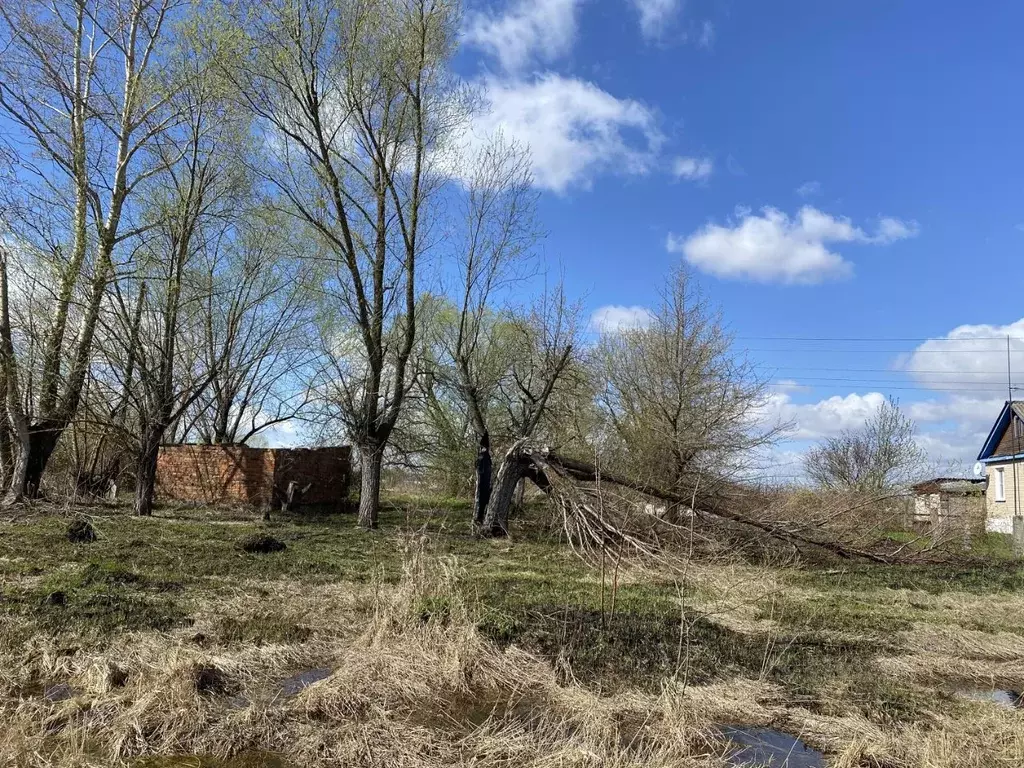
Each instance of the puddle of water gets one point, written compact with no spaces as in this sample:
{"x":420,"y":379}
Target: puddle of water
{"x":1002,"y":698}
{"x":304,"y":679}
{"x":58,"y":692}
{"x":769,"y":749}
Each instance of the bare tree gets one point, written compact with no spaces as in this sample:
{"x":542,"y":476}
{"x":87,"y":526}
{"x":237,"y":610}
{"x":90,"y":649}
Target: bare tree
{"x":257,"y":326}
{"x":471,"y":354}
{"x":80,"y":81}
{"x":104,"y":433}
{"x":13,"y":407}
{"x":880,"y":456}
{"x":544,"y":354}
{"x":191,"y":206}
{"x":680,"y":403}
{"x":357,"y":99}
{"x":8,"y":365}
{"x":439,"y":423}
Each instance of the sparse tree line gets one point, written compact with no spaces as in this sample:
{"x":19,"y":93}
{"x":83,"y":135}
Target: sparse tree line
{"x":219,"y":217}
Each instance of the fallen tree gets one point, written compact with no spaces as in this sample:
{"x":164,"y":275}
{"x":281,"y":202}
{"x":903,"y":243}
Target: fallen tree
{"x":597,"y":516}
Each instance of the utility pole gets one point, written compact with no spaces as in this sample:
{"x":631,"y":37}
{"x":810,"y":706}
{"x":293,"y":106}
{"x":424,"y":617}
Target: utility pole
{"x":1018,"y":521}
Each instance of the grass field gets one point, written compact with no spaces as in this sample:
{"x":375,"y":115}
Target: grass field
{"x":162,"y":643}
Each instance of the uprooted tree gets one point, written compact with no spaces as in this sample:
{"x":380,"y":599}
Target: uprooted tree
{"x":681,"y":448}
{"x":605,"y":512}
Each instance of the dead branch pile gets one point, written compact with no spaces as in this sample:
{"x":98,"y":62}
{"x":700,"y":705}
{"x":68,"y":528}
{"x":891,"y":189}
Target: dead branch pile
{"x":605,"y":512}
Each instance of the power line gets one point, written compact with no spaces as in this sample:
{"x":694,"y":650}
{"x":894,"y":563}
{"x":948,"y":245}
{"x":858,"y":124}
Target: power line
{"x":969,"y":384}
{"x":871,"y":338}
{"x":888,"y":385}
{"x":882,"y":351}
{"x":879,"y":370}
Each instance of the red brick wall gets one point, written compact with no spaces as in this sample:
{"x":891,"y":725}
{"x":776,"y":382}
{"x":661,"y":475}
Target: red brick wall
{"x":237,"y":474}
{"x":321,"y":474}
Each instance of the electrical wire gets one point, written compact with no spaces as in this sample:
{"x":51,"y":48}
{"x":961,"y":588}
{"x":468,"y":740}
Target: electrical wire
{"x":913,"y":371}
{"x":873,"y":338}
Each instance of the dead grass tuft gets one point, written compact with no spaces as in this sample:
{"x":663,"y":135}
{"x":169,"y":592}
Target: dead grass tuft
{"x":406,"y":678}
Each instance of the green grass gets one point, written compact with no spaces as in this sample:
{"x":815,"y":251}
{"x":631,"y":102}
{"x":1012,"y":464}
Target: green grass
{"x":532,"y":591}
{"x":855,"y":615}
{"x":979,"y":577}
{"x":990,"y":546}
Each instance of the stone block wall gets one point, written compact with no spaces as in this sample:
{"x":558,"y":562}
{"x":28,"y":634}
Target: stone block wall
{"x":946,"y":512}
{"x":258,"y":477}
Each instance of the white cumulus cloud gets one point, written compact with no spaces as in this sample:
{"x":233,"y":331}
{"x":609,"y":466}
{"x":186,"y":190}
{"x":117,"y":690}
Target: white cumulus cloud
{"x":615,"y":317}
{"x":773,"y":247}
{"x":529,"y":31}
{"x":574,"y":130}
{"x":970,"y":358}
{"x":818,"y":420}
{"x":950,"y":429}
{"x":809,"y":189}
{"x":692,"y":168}
{"x":953,"y":428}
{"x":890,"y":230}
{"x":655,"y":16}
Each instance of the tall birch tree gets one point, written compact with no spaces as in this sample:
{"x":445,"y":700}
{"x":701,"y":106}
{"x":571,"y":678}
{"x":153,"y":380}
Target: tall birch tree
{"x":83,"y":81}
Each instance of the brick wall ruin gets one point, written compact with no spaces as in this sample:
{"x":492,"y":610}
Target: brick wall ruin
{"x":258,"y":477}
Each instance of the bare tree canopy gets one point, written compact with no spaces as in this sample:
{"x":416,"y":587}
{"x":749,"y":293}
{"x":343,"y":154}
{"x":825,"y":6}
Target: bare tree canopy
{"x":680,"y":402}
{"x":86,"y":84}
{"x":356,"y":100}
{"x":880,"y":456}
{"x":256,"y":329}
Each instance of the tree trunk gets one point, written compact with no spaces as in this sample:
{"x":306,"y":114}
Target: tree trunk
{"x":43,"y":437}
{"x":16,"y":490}
{"x":7,"y":450}
{"x":145,"y":479}
{"x":483,"y":480}
{"x":19,"y":429}
{"x":513,"y":466}
{"x":371,"y":458}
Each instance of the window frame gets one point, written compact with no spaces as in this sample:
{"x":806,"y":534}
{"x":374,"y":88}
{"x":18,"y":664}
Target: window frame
{"x":1000,"y":489}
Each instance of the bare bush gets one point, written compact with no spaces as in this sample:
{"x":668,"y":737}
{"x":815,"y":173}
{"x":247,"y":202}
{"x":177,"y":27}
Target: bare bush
{"x":680,"y":402}
{"x":880,"y":456}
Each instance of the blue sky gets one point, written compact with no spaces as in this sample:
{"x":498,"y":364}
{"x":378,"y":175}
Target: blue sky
{"x":838,"y":171}
{"x":829,"y":170}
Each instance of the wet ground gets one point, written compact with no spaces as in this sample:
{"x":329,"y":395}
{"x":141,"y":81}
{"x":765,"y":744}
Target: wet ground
{"x":1003,"y":698}
{"x":767,"y":748}
{"x":292,"y":685}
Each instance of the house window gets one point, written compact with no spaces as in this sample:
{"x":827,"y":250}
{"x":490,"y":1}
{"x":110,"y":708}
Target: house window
{"x":1000,"y":485}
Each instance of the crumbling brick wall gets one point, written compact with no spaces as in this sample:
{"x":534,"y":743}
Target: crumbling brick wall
{"x":321,"y":475}
{"x":259,"y":477}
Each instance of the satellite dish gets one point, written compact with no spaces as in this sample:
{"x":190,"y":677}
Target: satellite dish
{"x":979,"y":469}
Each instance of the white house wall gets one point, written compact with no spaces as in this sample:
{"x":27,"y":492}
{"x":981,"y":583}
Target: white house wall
{"x":999,"y":514}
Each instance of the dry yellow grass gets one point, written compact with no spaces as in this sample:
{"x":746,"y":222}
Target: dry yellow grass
{"x":405,"y":691}
{"x":414,"y":684}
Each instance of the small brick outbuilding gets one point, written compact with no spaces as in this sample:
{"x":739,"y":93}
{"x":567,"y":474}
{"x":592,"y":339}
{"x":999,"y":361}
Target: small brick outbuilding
{"x":258,"y":477}
{"x":950,"y":503}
